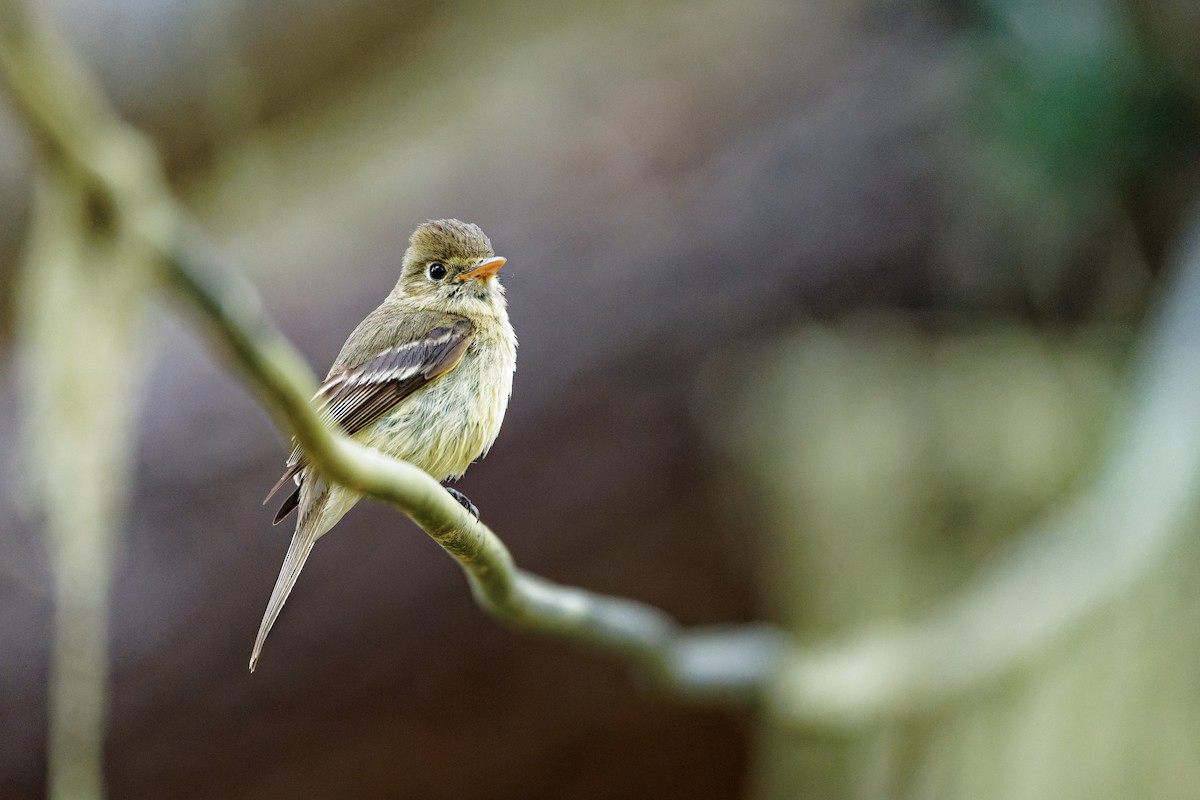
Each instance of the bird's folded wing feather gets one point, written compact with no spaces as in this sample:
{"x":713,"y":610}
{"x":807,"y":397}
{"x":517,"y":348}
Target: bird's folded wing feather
{"x":430,"y":345}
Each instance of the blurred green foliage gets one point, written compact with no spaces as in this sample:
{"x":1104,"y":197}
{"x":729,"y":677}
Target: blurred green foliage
{"x":1076,"y":93}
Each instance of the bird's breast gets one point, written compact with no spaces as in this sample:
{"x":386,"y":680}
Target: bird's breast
{"x":454,"y":420}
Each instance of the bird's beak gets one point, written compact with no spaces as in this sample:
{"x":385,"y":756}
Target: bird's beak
{"x":484,"y":269}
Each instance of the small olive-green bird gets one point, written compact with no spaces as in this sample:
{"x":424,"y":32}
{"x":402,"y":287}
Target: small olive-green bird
{"x":424,"y":378}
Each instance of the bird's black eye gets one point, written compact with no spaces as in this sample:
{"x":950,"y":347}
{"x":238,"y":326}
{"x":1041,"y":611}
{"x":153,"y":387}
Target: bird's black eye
{"x":437,"y":270}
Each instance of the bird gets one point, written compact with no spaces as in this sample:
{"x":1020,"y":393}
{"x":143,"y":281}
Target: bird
{"x":425,"y":377}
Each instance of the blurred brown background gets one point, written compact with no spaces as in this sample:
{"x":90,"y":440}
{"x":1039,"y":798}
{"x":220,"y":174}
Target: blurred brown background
{"x":683,"y":190}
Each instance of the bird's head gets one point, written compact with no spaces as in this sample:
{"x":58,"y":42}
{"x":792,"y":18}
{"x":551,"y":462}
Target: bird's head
{"x":450,"y":266}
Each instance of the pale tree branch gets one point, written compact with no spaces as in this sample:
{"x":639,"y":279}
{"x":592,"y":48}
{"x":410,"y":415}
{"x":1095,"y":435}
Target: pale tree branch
{"x":1061,"y":572}
{"x":79,"y":313}
{"x":715,"y":665}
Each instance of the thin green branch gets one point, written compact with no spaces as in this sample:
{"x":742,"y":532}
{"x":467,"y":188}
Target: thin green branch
{"x":675,"y":660}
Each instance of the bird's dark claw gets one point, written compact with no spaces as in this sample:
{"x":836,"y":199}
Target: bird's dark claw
{"x":463,"y":501}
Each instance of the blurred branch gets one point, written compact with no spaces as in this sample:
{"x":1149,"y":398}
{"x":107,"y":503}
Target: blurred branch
{"x":1069,"y":565}
{"x":79,"y":322}
{"x":66,"y":114}
{"x":81,"y":293}
{"x":1065,"y":568}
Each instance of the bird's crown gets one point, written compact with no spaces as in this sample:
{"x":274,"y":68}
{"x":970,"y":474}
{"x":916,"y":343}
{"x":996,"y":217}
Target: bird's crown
{"x":449,"y":240}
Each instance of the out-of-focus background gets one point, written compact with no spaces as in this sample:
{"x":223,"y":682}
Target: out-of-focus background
{"x":819,"y":304}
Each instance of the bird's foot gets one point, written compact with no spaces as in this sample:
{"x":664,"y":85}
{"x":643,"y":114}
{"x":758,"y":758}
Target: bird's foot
{"x":463,"y":501}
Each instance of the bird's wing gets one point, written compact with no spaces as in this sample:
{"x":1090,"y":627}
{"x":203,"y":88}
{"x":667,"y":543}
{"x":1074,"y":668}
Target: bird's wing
{"x":356,"y":396}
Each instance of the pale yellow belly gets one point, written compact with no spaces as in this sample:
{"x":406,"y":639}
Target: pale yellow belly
{"x":441,"y":428}
{"x":452,"y":421}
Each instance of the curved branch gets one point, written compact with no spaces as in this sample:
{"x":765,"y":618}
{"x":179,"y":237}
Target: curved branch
{"x":717,"y":665}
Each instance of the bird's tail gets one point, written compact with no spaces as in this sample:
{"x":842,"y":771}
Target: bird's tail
{"x":324,"y":508}
{"x":307,"y":532}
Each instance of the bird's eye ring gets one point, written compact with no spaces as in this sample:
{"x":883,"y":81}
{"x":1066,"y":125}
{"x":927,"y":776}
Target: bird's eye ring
{"x":437,"y":270}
